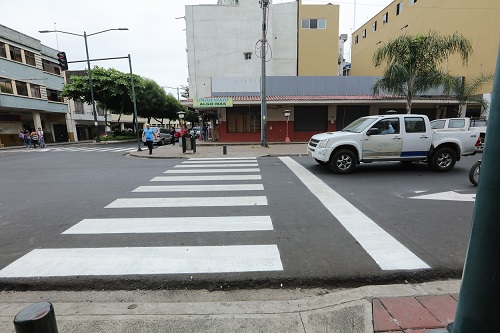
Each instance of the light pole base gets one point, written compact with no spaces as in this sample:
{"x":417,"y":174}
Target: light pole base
{"x":287,"y":140}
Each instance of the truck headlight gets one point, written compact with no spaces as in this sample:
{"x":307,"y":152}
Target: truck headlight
{"x":323,"y":143}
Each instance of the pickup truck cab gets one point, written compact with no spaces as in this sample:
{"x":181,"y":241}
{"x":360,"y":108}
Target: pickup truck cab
{"x":462,"y":124}
{"x":404,"y":137}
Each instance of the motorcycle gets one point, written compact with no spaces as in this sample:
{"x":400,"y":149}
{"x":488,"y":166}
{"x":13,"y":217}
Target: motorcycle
{"x":474,"y":173}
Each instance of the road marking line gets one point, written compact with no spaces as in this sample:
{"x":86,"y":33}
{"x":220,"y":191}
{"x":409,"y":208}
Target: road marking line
{"x":214,"y":170}
{"x":204,"y":178}
{"x":171,"y":225}
{"x":221,"y":158}
{"x":200,"y":188}
{"x":215,"y":165}
{"x":449,"y":195}
{"x":188,"y":202}
{"x":216,"y":162}
{"x":387,"y":252}
{"x":145,"y":260}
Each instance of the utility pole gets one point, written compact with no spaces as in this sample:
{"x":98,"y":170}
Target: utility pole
{"x":263,"y":109}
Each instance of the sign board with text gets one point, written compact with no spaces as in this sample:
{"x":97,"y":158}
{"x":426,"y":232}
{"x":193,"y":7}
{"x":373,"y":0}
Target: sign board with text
{"x":213,"y":102}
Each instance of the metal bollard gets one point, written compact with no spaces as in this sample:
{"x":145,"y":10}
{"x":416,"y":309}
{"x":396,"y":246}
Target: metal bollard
{"x":224,"y":150}
{"x":36,"y":318}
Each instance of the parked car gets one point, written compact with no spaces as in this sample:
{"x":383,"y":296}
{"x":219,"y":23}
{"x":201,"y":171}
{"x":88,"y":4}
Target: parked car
{"x":162,"y":136}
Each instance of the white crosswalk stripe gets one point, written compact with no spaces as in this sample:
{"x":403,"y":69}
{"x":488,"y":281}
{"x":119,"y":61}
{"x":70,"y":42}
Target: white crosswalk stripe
{"x":169,"y":259}
{"x":83,"y":149}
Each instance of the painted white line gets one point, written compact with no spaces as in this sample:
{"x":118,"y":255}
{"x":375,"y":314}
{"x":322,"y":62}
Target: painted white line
{"x":189,"y":202}
{"x":216,"y":162}
{"x":449,"y":196}
{"x":171,"y":225}
{"x":200,"y":188}
{"x":221,"y":158}
{"x":204,"y":178}
{"x":215,"y":165}
{"x":145,"y":260}
{"x":387,"y":252}
{"x":214,"y":170}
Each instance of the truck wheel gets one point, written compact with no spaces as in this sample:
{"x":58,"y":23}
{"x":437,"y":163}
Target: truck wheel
{"x":343,"y":161}
{"x":444,"y":159}
{"x":474,"y":173}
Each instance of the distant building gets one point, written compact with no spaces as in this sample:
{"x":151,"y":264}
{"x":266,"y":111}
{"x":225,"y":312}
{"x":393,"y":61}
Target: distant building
{"x":30,"y":88}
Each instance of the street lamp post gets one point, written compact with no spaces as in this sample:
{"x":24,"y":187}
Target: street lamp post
{"x":200,"y":118}
{"x":89,"y":69}
{"x":287,"y":115}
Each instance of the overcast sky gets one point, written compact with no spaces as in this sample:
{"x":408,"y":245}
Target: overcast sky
{"x":155,"y":40}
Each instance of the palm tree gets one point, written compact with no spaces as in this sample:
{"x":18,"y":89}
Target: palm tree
{"x":412,"y":63}
{"x":468,"y":92}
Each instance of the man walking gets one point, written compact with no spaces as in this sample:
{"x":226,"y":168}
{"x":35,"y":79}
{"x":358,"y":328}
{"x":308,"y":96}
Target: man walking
{"x":41,"y":139}
{"x":148,"y":135}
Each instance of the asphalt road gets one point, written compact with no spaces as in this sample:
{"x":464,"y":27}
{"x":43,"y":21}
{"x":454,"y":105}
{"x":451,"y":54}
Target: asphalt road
{"x":44,"y":194}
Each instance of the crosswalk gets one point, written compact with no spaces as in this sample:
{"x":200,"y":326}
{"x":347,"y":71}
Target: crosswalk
{"x":81,"y":149}
{"x":168,"y":190}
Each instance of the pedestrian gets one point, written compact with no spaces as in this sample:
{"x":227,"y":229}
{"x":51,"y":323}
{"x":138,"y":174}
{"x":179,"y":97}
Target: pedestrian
{"x":172,"y":135}
{"x":27,"y":139}
{"x":41,"y":138}
{"x":34,"y":138}
{"x":148,"y":135}
{"x":21,"y":136}
{"x":204,"y":132}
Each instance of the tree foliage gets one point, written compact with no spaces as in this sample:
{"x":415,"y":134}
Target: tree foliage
{"x":412,"y":63}
{"x":468,"y":91}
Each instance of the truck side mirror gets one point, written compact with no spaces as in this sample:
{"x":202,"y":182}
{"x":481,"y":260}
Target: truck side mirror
{"x":372,"y":131}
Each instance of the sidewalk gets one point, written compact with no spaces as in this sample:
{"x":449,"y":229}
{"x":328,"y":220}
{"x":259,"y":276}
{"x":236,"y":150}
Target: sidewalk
{"x":272,"y":310}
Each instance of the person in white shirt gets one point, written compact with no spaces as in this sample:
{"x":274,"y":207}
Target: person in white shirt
{"x":41,"y":139}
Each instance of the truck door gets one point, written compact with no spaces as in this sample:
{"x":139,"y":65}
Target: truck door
{"x":418,"y":138}
{"x":384,"y":141}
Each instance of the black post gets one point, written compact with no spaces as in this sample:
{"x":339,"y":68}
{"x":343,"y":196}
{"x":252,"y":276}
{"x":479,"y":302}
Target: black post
{"x":36,"y":318}
{"x":479,"y":299}
{"x":224,"y":150}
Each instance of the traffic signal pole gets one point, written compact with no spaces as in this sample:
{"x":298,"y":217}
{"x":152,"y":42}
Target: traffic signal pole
{"x":479,"y":298}
{"x":94,"y":111}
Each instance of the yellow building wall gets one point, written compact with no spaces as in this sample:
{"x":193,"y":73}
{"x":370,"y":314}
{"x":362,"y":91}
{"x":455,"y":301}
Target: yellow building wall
{"x":318,"y":48}
{"x":477,"y":20}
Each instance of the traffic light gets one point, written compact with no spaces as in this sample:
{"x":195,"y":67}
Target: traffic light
{"x":63,"y":62}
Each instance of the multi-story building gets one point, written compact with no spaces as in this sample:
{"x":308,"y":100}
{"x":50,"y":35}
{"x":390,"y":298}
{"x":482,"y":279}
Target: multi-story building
{"x":478,"y":21}
{"x":30,"y":88}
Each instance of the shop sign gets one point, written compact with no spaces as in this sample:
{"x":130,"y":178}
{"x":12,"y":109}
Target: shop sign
{"x":213,"y":102}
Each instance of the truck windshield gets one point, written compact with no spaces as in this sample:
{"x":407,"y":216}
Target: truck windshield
{"x":359,"y":125}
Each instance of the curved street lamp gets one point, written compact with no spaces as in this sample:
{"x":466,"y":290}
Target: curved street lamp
{"x":89,"y":69}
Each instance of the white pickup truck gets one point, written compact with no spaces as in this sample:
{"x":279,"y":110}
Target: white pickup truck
{"x":462,"y":124}
{"x":402,"y":137}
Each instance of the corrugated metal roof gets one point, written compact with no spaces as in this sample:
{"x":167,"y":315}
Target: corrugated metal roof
{"x":325,"y":98}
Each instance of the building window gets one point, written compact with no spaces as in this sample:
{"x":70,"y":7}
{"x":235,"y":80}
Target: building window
{"x":356,"y":39}
{"x":29,"y":57}
{"x":399,"y":8}
{"x":79,"y":107}
{"x":51,"y":67}
{"x":314,"y":24}
{"x":3,"y":53}
{"x":363,"y":34}
{"x":54,"y":96}
{"x":385,"y":18}
{"x":248,"y":55}
{"x":412,"y":2}
{"x":15,"y":54}
{"x":374,"y":26}
{"x":35,"y":91}
{"x":6,"y":86}
{"x":243,"y":120}
{"x":22,"y":88}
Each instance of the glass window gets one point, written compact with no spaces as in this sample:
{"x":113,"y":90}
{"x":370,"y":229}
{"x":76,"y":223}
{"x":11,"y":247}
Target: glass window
{"x":438,"y":124}
{"x":356,"y":39}
{"x":374,"y":26}
{"x":414,"y":125}
{"x":51,"y":67}
{"x":363,"y":34}
{"x":385,"y":18}
{"x":248,"y":55}
{"x":412,"y":2}
{"x":388,"y":126}
{"x":456,"y":123}
{"x":321,"y":24}
{"x":314,"y":24}
{"x":35,"y":90}
{"x":30,"y":58}
{"x":6,"y":86}
{"x":305,"y":24}
{"x":3,"y":53}
{"x":22,"y":88}
{"x":79,"y":107}
{"x":15,"y":53}
{"x":399,"y":8}
{"x":54,"y":95}
{"x":243,"y":120}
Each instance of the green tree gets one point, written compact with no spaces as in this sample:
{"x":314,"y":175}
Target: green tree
{"x":412,"y":63}
{"x":468,"y":92}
